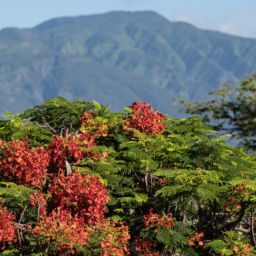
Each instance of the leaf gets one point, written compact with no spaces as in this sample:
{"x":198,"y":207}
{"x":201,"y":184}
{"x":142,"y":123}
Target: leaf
{"x":97,"y":105}
{"x":164,"y":237}
{"x":12,"y":252}
{"x":217,"y":245}
{"x":140,"y":198}
{"x":206,"y":193}
{"x":128,"y":110}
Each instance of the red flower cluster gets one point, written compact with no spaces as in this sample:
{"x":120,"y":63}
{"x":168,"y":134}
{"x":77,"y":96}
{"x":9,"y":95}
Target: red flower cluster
{"x":114,"y":237}
{"x":234,"y":198}
{"x":64,"y":148}
{"x":242,"y":251}
{"x":89,"y":125}
{"x":161,"y":183}
{"x":38,"y":200}
{"x":153,"y":219}
{"x":145,"y":119}
{"x":144,"y":247}
{"x":197,"y":237}
{"x":78,"y":201}
{"x":90,"y":131}
{"x":74,"y":148}
{"x":8,"y":232}
{"x":239,"y":188}
{"x":81,"y":194}
{"x":22,"y":164}
{"x":65,"y":230}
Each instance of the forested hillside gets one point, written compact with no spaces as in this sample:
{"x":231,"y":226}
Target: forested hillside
{"x":116,"y":58}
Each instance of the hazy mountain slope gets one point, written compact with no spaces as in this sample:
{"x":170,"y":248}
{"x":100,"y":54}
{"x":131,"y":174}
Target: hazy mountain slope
{"x":116,"y":58}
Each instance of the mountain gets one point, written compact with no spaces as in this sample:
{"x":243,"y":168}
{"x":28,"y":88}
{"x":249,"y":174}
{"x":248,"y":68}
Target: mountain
{"x":117,"y":58}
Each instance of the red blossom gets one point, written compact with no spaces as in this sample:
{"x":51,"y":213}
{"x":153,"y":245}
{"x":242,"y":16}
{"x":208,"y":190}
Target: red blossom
{"x":115,"y":237}
{"x":242,"y":250}
{"x":89,"y":125}
{"x":143,"y":245}
{"x":81,"y":194}
{"x":74,"y":148}
{"x":67,"y":232}
{"x":38,"y":200}
{"x":62,"y":229}
{"x":160,"y":183}
{"x":235,"y":198}
{"x":22,"y":164}
{"x":64,"y":148}
{"x":197,"y":237}
{"x":155,"y":219}
{"x":78,"y":202}
{"x":144,"y":119}
{"x":8,"y":232}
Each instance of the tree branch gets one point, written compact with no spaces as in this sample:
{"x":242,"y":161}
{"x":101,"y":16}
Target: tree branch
{"x":45,"y":125}
{"x":252,"y":235}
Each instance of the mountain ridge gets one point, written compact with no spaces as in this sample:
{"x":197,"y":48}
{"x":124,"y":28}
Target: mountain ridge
{"x":117,"y":57}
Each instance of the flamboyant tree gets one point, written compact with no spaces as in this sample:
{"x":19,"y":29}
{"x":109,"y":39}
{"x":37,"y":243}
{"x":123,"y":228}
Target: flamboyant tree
{"x":77,"y":178}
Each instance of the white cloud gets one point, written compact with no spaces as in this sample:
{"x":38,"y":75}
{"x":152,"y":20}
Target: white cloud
{"x":234,"y":21}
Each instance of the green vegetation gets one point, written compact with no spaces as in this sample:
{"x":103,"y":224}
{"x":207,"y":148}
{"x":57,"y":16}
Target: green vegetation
{"x":232,"y":110}
{"x":175,"y":185}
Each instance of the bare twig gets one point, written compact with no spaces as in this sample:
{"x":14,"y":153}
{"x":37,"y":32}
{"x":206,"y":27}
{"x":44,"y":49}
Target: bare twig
{"x":19,"y":230}
{"x":38,"y":211}
{"x":146,"y":179}
{"x":243,"y":230}
{"x":68,"y":167}
{"x":45,"y":125}
{"x":184,"y":218}
{"x":23,"y":227}
{"x":22,"y":214}
{"x":47,"y":248}
{"x":146,"y":175}
{"x":252,"y":235}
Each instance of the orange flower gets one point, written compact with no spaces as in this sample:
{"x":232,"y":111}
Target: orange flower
{"x":235,"y":248}
{"x":191,"y":243}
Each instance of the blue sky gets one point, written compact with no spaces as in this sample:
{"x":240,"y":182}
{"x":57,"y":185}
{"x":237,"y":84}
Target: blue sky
{"x":231,"y":16}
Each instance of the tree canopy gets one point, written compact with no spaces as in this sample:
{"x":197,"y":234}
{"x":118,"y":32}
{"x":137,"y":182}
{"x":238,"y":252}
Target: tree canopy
{"x":77,"y":178}
{"x":232,"y":110}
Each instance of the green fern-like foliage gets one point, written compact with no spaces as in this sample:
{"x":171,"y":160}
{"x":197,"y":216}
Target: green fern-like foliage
{"x":186,"y":172}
